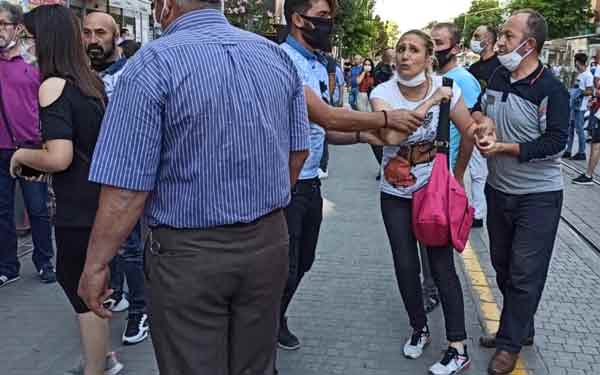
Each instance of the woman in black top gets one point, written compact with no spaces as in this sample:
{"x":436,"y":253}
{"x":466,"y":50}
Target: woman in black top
{"x":72,"y":105}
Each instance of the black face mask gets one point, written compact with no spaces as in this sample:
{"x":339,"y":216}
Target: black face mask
{"x":443,"y":57}
{"x":319,"y":37}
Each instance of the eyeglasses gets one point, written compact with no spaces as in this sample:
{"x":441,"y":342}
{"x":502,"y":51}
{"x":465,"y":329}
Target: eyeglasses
{"x":5,"y":25}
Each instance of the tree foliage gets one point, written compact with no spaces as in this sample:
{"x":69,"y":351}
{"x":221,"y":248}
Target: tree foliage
{"x":481,"y":12}
{"x":565,"y":17}
{"x":251,"y":15}
{"x":357,"y":29}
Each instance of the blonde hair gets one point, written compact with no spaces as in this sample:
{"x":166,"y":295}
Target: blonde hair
{"x":429,"y":47}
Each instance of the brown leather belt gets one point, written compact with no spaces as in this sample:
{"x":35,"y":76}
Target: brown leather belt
{"x":418,"y":153}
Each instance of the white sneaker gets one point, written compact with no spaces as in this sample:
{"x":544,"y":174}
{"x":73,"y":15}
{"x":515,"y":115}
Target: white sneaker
{"x":119,"y":306}
{"x":413,"y":348}
{"x":113,"y":366}
{"x":323,"y":175}
{"x":451,"y":363}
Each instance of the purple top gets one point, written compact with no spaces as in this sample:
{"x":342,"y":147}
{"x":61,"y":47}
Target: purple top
{"x":19,"y":85}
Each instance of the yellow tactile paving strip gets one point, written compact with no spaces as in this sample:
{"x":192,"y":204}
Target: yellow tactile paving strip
{"x":489,"y":309}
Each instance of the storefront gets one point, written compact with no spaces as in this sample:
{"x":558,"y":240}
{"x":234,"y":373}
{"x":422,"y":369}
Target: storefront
{"x":133,"y":15}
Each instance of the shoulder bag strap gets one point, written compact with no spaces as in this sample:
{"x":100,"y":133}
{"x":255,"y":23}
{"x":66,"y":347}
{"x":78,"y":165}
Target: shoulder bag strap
{"x":442,"y":140}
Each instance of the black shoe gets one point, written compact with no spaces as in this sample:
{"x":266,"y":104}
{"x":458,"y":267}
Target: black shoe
{"x":287,"y":340}
{"x":566,"y":155}
{"x":477,"y":223}
{"x":583,"y":180}
{"x":47,"y":275}
{"x":136,"y":330}
{"x":5,"y":280}
{"x":579,"y":156}
{"x":432,"y":301}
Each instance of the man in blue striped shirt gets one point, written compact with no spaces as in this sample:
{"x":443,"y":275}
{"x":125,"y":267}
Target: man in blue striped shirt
{"x":207,"y":129}
{"x":206,"y":133}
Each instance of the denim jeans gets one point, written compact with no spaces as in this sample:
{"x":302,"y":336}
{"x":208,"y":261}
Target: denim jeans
{"x":522,"y":230}
{"x":353,"y":98}
{"x":577,"y":125}
{"x":397,"y":217}
{"x":35,"y":195}
{"x":304,"y":216}
{"x":129,"y":264}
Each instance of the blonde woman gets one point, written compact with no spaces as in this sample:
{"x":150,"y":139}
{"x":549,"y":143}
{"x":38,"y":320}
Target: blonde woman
{"x":407,"y":165}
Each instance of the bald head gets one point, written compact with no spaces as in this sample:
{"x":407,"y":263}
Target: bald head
{"x":100,"y":34}
{"x":388,"y":56}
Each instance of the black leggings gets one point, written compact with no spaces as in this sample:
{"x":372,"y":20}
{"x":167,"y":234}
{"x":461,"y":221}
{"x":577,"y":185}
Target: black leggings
{"x":71,"y":250}
{"x":398,"y":224}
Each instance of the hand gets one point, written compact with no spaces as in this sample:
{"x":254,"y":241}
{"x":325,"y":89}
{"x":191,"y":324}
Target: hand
{"x":490,"y":149}
{"x":404,"y":121}
{"x":15,"y":164}
{"x":370,"y":138}
{"x":93,"y":289}
{"x":460,"y":179}
{"x":483,"y":125}
{"x":442,"y":94}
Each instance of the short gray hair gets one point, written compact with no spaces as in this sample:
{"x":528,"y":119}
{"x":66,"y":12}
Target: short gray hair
{"x":14,"y":11}
{"x":537,"y":27}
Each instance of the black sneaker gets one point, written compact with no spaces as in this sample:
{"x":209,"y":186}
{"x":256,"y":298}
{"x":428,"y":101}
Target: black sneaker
{"x":47,"y":275}
{"x":579,"y":156}
{"x":137,"y":329}
{"x":583,"y":179}
{"x":477,"y":223}
{"x":432,"y":301}
{"x":5,"y":280}
{"x":451,"y":363}
{"x":566,"y":155}
{"x":287,"y":340}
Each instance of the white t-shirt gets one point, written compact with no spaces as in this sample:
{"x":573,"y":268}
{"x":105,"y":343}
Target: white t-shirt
{"x":585,"y":80}
{"x":389,"y":92}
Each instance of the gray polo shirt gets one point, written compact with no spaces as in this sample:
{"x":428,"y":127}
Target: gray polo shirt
{"x":534,"y":113}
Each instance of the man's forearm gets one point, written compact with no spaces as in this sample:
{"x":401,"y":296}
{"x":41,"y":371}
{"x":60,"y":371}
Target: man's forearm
{"x":341,"y":119}
{"x":297,"y":159}
{"x":118,"y":212}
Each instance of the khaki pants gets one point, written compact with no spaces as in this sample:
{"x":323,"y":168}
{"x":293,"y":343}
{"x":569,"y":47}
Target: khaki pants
{"x":214,"y":296}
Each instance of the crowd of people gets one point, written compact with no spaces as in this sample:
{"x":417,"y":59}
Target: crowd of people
{"x":214,"y":141}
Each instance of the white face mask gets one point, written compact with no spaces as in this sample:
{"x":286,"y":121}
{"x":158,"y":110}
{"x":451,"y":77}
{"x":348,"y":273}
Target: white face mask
{"x":476,"y":46}
{"x":367,"y":68}
{"x":9,"y":46}
{"x":512,"y":60}
{"x":413,"y":82}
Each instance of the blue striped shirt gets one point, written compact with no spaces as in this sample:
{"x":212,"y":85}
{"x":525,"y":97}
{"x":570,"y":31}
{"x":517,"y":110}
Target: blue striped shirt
{"x":204,"y":119}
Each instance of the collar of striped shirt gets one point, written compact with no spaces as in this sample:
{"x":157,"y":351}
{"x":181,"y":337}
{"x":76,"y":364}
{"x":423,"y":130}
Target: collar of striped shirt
{"x":196,"y":18}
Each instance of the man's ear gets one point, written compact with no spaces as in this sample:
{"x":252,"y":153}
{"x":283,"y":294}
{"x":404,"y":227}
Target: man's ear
{"x":298,"y":21}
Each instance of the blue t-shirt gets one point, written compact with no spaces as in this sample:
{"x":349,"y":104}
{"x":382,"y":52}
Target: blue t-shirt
{"x":471,"y":90}
{"x":354,"y":73}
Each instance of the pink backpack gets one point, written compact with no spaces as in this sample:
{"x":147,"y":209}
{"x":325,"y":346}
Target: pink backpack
{"x":441,"y":214}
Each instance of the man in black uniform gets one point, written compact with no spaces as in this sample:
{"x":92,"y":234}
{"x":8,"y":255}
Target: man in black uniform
{"x":483,"y":42}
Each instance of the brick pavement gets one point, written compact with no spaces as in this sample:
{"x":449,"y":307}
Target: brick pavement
{"x":568,"y":320}
{"x":348,"y":313}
